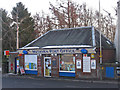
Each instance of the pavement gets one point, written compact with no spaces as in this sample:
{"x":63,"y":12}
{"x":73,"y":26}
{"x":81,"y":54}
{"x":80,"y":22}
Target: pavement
{"x":109,"y":81}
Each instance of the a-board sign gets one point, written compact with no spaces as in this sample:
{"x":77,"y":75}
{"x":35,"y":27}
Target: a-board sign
{"x":22,"y":70}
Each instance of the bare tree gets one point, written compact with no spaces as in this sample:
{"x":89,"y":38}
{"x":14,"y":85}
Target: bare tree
{"x":68,"y":14}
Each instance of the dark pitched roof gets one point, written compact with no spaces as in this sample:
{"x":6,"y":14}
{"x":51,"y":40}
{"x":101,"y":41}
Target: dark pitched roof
{"x":70,"y":36}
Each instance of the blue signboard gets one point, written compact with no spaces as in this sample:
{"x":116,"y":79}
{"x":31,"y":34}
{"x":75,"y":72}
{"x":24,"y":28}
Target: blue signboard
{"x":110,"y":72}
{"x":31,"y":72}
{"x":67,"y":74}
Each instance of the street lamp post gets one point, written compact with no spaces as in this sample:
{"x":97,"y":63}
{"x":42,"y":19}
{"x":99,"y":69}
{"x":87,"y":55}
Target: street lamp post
{"x":100,"y":44}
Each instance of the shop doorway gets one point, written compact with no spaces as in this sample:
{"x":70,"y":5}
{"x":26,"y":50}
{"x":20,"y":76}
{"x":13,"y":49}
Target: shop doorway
{"x":16,"y":65}
{"x":47,"y":66}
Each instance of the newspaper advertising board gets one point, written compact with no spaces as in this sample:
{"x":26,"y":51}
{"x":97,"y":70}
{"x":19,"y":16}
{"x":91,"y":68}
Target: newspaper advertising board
{"x":86,"y":64}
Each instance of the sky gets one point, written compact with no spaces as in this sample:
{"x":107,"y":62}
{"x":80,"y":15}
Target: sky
{"x":39,"y":5}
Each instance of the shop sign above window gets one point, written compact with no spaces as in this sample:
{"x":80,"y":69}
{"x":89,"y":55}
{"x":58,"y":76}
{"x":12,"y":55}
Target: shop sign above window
{"x":57,"y":51}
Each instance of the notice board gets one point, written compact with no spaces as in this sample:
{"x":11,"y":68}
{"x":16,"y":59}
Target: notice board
{"x":86,"y":64}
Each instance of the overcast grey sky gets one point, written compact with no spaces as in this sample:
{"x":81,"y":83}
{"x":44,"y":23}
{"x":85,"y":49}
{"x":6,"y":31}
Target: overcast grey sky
{"x":38,"y":5}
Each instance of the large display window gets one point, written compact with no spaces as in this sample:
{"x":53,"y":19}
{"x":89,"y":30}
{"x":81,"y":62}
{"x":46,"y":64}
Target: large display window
{"x":67,"y":63}
{"x":30,"y":62}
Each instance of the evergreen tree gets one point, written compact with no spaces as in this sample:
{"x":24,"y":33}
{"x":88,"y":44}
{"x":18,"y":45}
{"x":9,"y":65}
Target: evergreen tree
{"x":8,"y":34}
{"x":25,"y":23}
{"x":8,"y":38}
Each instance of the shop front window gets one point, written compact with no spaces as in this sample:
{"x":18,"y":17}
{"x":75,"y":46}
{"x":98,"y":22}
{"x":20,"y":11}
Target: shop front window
{"x":67,"y":62}
{"x":30,"y":62}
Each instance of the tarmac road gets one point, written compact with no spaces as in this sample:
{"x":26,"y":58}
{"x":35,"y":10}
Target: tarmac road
{"x":18,"y":82}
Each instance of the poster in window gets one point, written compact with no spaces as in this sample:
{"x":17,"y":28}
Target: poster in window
{"x":17,"y":65}
{"x":17,"y":62}
{"x":86,"y":64}
{"x":73,"y":60}
{"x":93,"y":64}
{"x":78,"y":63}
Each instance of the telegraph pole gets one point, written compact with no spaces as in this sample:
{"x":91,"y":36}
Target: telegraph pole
{"x":100,"y":34}
{"x":17,"y":24}
{"x":17,"y":43}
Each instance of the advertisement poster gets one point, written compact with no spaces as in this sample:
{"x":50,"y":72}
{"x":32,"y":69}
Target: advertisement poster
{"x":93,"y":64}
{"x":17,"y":65}
{"x":73,"y":60}
{"x":86,"y":64}
{"x":17,"y":61}
{"x":78,"y":64}
{"x":26,"y":66}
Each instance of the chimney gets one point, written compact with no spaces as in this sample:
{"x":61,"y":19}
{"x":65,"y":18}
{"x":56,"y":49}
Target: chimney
{"x":117,"y":34}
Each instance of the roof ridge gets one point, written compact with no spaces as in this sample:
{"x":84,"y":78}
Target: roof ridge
{"x":55,"y":30}
{"x":74,"y":38}
{"x":71,"y":28}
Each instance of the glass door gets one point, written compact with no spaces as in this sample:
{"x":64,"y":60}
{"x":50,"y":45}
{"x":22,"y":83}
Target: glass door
{"x":47,"y":66}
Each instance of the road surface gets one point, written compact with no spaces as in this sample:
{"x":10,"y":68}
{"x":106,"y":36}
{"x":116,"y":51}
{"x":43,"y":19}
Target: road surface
{"x":17,"y":82}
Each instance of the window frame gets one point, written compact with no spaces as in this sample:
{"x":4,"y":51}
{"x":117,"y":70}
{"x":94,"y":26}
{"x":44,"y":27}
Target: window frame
{"x":66,"y":71}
